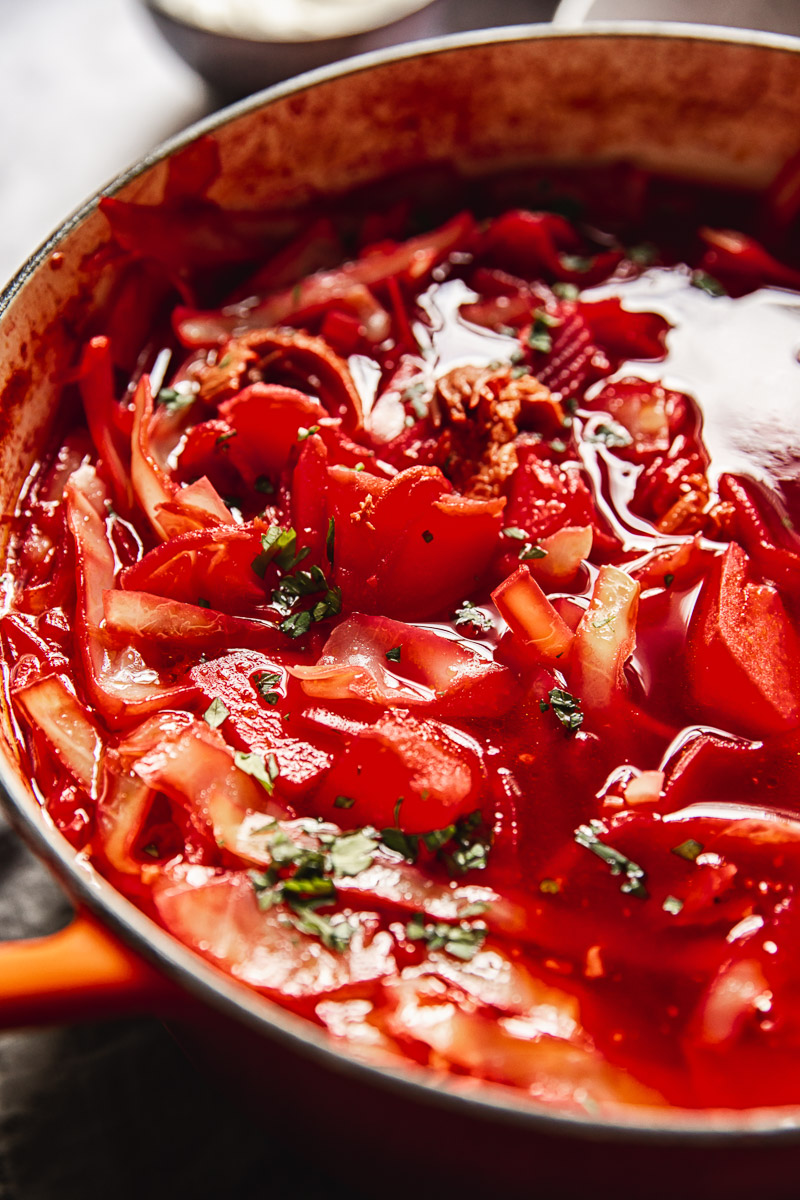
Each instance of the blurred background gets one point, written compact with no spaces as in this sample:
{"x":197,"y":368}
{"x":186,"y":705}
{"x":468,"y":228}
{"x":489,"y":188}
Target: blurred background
{"x":87,"y":87}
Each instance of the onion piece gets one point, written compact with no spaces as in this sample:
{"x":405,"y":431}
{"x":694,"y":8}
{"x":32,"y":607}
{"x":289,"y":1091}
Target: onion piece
{"x":605,"y":639}
{"x":430,"y":669}
{"x":118,"y":680}
{"x":530,"y":616}
{"x":145,"y":617}
{"x":196,"y":506}
{"x":52,"y":708}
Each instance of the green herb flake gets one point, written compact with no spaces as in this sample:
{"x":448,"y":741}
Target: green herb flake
{"x":436,"y":838}
{"x":566,"y":291}
{"x":673,"y":905}
{"x":330,"y":540}
{"x":224,"y":438}
{"x":265,"y":485}
{"x":201,"y":603}
{"x":264,"y":885}
{"x":470,"y":614}
{"x":304,"y":433}
{"x":253,"y":764}
{"x":152,"y":850}
{"x":529,"y":551}
{"x":174,"y":400}
{"x":393,"y":655}
{"x":468,"y":849}
{"x":566,"y":707}
{"x":613,"y":435}
{"x":359,"y":467}
{"x":461,"y":941}
{"x":352,"y":853}
{"x":644,"y":255}
{"x":576,"y":262}
{"x":333,"y":935}
{"x":343,"y":802}
{"x":539,"y":337}
{"x":265,"y":682}
{"x":688,"y":849}
{"x":617,"y":862}
{"x":511,"y":531}
{"x":707,"y":283}
{"x":296,"y":625}
{"x":558,"y":446}
{"x":216,"y":713}
{"x":669,"y":579}
{"x":427,"y":536}
{"x":405,"y":844}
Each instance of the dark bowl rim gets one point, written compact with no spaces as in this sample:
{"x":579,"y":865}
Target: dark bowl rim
{"x":209,"y":985}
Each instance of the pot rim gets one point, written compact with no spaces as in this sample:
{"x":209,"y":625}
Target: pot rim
{"x":210,"y":985}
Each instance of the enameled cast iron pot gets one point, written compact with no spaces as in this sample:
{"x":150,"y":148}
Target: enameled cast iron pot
{"x":700,"y":103}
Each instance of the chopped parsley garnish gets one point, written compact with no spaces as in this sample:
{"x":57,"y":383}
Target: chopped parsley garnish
{"x":201,"y":603}
{"x":615,"y":436}
{"x":343,"y":802}
{"x":352,"y":853}
{"x":330,"y":540}
{"x":469,"y":614}
{"x":529,"y":550}
{"x":265,"y":485}
{"x":334,"y":935}
{"x":558,"y":446}
{"x":460,"y":941}
{"x":540,"y":337}
{"x":566,"y":291}
{"x":297,"y":624}
{"x":617,"y":862}
{"x":224,"y":438}
{"x":216,"y":713}
{"x":311,"y":883}
{"x":669,"y":580}
{"x":576,"y":262}
{"x":359,"y":467}
{"x":174,"y":400}
{"x":565,"y":706}
{"x":427,"y":536}
{"x":511,"y":531}
{"x":265,"y":771}
{"x":265,"y":682}
{"x":688,"y":849}
{"x":707,"y":283}
{"x":280,"y":546}
{"x":404,"y":844}
{"x":304,"y":433}
{"x":393,"y":655}
{"x":463,"y":846}
{"x":673,"y":905}
{"x":644,"y":255}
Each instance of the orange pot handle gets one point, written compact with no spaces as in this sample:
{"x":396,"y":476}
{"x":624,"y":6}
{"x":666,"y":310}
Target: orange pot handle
{"x":81,"y":973}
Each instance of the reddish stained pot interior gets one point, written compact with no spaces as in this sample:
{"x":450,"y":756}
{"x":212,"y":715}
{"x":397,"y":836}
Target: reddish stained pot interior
{"x":417,"y":640}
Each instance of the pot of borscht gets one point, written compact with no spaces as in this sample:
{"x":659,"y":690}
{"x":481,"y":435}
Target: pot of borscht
{"x":401,"y":608}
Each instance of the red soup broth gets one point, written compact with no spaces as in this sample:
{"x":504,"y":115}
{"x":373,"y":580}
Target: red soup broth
{"x":408,"y":622}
